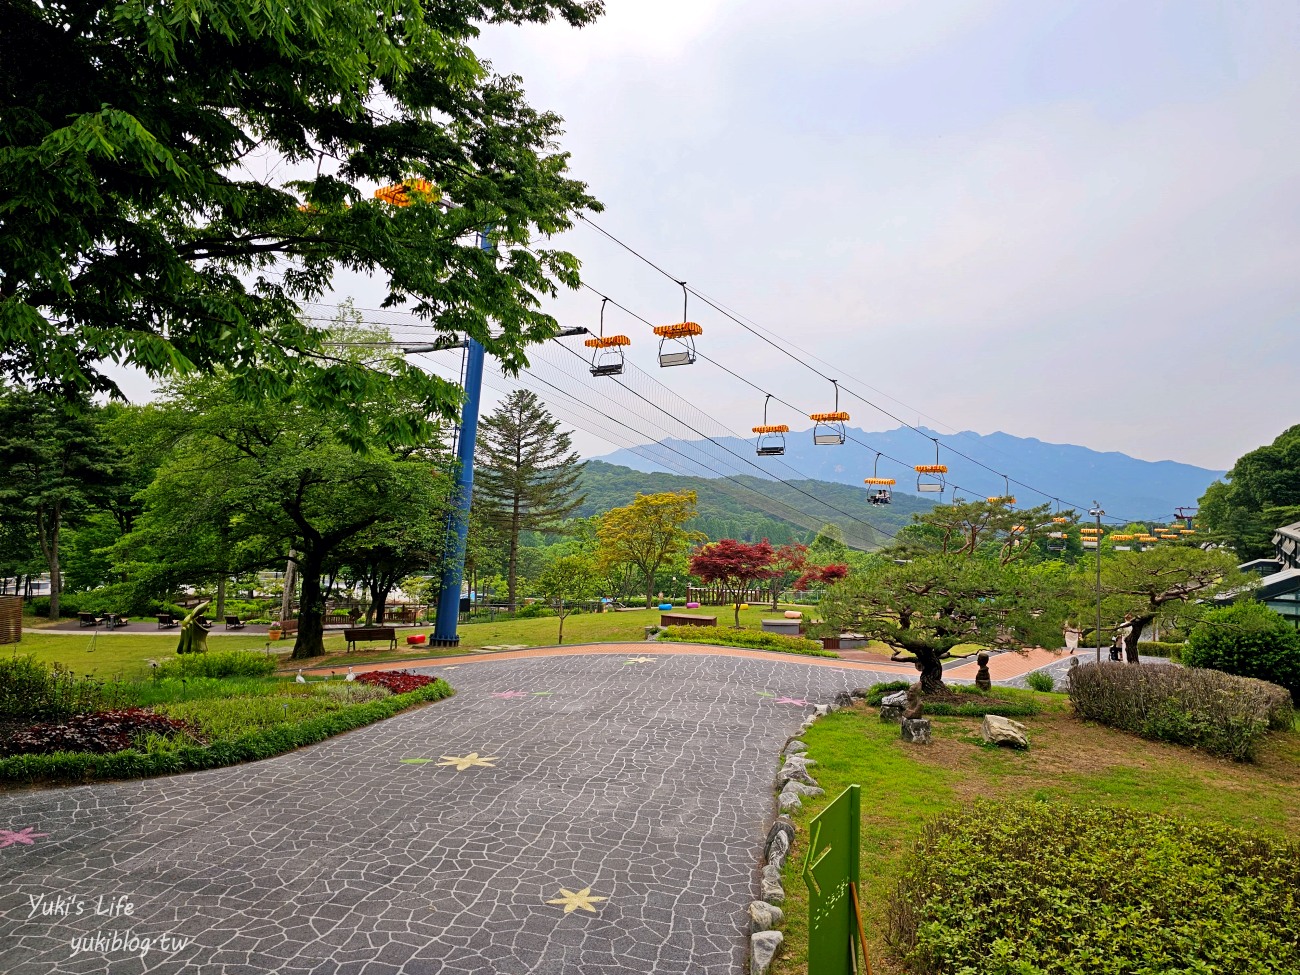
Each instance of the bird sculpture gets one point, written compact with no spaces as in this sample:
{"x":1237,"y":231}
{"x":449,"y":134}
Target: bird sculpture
{"x":350,"y":676}
{"x":300,"y":678}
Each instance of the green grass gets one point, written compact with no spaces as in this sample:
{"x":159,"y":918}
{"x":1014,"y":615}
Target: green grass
{"x":126,"y":655}
{"x":904,"y":785}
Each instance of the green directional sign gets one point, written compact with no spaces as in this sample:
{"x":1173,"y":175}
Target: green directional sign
{"x":830,"y":866}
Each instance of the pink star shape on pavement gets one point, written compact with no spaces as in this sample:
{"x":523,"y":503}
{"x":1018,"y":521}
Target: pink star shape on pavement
{"x":798,"y":701}
{"x":509,"y":694}
{"x":24,"y":836}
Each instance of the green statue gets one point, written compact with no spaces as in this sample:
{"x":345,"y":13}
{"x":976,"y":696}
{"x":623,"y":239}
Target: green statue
{"x":194,"y":634}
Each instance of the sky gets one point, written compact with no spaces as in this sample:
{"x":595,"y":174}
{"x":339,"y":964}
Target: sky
{"x":1075,"y":221}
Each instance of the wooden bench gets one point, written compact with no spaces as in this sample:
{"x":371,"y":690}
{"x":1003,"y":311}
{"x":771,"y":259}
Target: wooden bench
{"x":89,"y":619}
{"x":356,"y":633}
{"x":166,"y":621}
{"x":234,"y":623}
{"x":686,"y":619}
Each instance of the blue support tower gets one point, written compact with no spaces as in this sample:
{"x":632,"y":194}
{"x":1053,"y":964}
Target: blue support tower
{"x":453,"y":573}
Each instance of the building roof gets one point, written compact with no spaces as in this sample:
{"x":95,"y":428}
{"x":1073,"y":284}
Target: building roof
{"x":1278,"y":584}
{"x":1286,"y":540}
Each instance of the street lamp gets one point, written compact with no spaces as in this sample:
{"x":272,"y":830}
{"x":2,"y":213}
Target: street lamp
{"x":1096,"y":512}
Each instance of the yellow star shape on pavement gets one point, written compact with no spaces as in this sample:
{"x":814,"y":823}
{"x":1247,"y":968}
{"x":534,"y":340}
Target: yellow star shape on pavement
{"x":638,"y":660}
{"x":472,"y":760}
{"x":572,"y":902}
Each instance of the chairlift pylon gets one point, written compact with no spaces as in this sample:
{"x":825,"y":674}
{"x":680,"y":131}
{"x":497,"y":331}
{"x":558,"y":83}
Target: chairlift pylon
{"x":929,"y":477}
{"x":829,"y":430}
{"x":677,"y":342}
{"x":884,"y":493}
{"x":771,"y":436}
{"x":607,"y":355}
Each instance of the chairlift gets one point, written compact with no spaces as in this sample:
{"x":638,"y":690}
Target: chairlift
{"x":401,"y":194}
{"x":1007,"y":498}
{"x":829,"y":430}
{"x":677,"y":342}
{"x":884,"y":493}
{"x":607,"y":355}
{"x":929,"y":477}
{"x":771,"y":436}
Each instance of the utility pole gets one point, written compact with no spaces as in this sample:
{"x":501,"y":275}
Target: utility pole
{"x":1096,"y":512}
{"x":453,"y":571}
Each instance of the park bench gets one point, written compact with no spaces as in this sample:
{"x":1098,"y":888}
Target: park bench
{"x":233,"y":623}
{"x":166,"y":621}
{"x":687,"y":619}
{"x":358,"y":633}
{"x":88,"y":619}
{"x":289,"y":627}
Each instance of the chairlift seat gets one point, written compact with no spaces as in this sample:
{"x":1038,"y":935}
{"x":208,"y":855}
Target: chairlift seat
{"x":929,"y":478}
{"x":771,"y":439}
{"x":829,"y":430}
{"x":884,"y":493}
{"x":677,"y":343}
{"x":607,"y":359}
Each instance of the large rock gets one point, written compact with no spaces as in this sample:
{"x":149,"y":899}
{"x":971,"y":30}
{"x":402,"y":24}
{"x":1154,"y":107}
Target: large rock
{"x":898,"y":699}
{"x":795,"y":747}
{"x":762,"y":948}
{"x":860,"y":692}
{"x":777,"y":850}
{"x":1003,"y":731}
{"x":793,"y":771}
{"x":789,"y":802}
{"x":764,"y":916}
{"x":916,"y":730}
{"x":780,"y":836}
{"x":892,"y":713}
{"x":770,"y":884}
{"x":801,"y":789}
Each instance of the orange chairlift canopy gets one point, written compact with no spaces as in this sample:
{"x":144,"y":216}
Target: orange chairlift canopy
{"x":607,"y":359}
{"x":677,"y":341}
{"x":404,"y":193}
{"x":830,"y":425}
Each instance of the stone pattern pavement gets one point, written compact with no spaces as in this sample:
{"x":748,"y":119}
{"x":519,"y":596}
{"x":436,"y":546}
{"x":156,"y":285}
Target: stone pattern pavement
{"x":561,"y":814}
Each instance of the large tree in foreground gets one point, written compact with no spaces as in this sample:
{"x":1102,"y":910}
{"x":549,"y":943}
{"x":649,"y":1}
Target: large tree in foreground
{"x":526,"y":475}
{"x":176,"y":179}
{"x":932,"y":604}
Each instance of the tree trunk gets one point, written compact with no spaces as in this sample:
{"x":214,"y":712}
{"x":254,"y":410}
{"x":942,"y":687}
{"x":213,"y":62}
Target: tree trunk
{"x":776,"y":593}
{"x":311,"y":611}
{"x":513,"y":570}
{"x":649,"y":589}
{"x":286,"y":598}
{"x":560,"y":639}
{"x":1134,"y":637}
{"x":931,"y":668}
{"x":220,"y":611}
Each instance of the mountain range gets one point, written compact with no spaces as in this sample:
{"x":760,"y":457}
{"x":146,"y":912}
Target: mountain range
{"x":1127,"y":487}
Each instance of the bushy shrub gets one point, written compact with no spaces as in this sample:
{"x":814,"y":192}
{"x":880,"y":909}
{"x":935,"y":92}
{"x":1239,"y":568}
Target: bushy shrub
{"x":1040,"y":680}
{"x":1250,"y":640}
{"x":1225,"y":715}
{"x":752,"y":639}
{"x":34,"y":691}
{"x":218,"y":663}
{"x":69,"y":606}
{"x":1027,"y":888}
{"x":101,"y":732}
{"x":1153,"y":648}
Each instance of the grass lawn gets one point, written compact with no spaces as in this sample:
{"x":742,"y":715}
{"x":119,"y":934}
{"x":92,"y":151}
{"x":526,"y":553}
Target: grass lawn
{"x":127,"y":654}
{"x":903,"y":785}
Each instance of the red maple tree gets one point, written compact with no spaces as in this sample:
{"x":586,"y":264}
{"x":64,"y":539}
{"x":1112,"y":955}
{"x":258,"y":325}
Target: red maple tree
{"x":734,"y":565}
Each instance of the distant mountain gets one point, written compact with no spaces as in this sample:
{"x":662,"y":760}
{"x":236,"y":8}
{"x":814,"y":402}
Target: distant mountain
{"x":1126,"y":487}
{"x":751,"y":508}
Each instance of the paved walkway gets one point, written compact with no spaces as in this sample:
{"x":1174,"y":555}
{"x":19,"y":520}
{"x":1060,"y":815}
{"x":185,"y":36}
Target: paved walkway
{"x":587,"y":812}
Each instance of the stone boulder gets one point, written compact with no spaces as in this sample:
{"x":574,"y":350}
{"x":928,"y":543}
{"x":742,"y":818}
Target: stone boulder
{"x":793,"y":771}
{"x":789,"y":802}
{"x":916,"y":730}
{"x":782,"y":828}
{"x":770,"y":884}
{"x":764,"y":916}
{"x":795,"y":747}
{"x":1003,"y":731}
{"x":801,"y":789}
{"x":843,"y":700}
{"x":762,"y":949}
{"x":898,"y":699}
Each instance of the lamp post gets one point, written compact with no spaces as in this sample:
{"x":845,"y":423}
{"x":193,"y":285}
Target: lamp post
{"x":1096,"y":512}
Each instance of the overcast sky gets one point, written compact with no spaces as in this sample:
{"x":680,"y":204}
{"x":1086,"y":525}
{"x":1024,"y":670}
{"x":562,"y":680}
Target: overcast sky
{"x":1076,"y":221}
{"x":1072,"y":221}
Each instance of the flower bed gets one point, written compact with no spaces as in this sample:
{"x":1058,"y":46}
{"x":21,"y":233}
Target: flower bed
{"x":397,"y":681}
{"x":100,"y":732}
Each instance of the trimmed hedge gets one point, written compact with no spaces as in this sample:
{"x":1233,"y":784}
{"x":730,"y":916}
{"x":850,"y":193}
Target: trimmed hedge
{"x":1249,"y":640}
{"x":752,"y":639}
{"x":1028,"y":888}
{"x":1223,"y":714}
{"x":1154,"y":648}
{"x":219,"y":663}
{"x":73,"y":767}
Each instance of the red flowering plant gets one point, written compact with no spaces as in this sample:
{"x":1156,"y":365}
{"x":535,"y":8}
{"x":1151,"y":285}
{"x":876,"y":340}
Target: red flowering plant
{"x":397,"y":681}
{"x":100,"y":732}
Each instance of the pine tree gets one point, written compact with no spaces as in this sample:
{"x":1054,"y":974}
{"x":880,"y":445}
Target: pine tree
{"x":526,"y":475}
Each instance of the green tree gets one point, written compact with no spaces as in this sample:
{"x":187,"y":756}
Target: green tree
{"x":525,"y":476}
{"x":647,"y":533}
{"x":567,"y":581}
{"x":144,"y":222}
{"x":989,"y":529}
{"x":243,"y":486}
{"x":1259,"y":494}
{"x":382,"y":556}
{"x":1169,"y":585}
{"x":828,"y":545}
{"x":56,"y":469}
{"x":933,"y":603}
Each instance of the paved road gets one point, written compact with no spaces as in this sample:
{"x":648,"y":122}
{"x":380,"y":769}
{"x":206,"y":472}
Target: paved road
{"x":646,"y":785}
